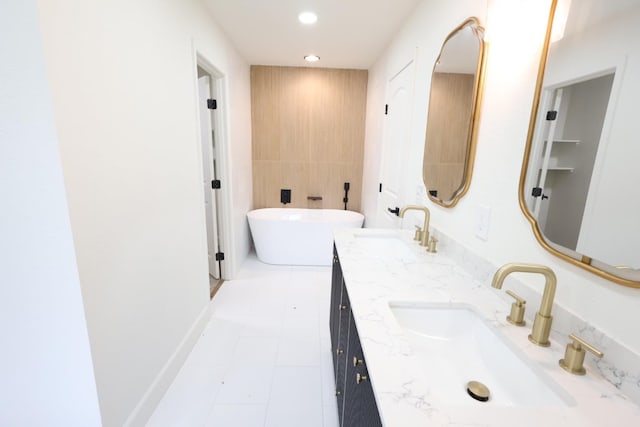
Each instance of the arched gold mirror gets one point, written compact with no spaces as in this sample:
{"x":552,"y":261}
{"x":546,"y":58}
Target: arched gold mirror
{"x":580,"y":169}
{"x":453,"y":115}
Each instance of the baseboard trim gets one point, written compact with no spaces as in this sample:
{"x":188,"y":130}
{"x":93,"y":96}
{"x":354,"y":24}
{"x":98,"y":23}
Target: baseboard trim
{"x":144,"y":409}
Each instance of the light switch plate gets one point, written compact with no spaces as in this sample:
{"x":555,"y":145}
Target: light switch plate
{"x":483,"y":221}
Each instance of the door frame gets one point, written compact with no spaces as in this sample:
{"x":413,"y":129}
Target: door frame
{"x":381,"y":211}
{"x":223,"y":156}
{"x":547,"y":99}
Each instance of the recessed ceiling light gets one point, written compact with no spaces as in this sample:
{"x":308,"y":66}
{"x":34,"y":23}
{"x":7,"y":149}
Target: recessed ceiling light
{"x":308,"y":18}
{"x":312,"y":58}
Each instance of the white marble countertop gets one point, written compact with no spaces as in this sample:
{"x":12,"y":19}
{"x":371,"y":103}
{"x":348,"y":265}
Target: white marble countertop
{"x":403,"y":395}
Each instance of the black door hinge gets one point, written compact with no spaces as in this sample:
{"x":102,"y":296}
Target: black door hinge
{"x":552,"y":115}
{"x":220,"y":256}
{"x":537,"y":192}
{"x":386,"y":109}
{"x":212,"y":104}
{"x":215,"y":184}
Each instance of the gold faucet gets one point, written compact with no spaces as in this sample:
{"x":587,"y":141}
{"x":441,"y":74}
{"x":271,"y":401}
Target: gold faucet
{"x":542,"y":323}
{"x":424,"y":236}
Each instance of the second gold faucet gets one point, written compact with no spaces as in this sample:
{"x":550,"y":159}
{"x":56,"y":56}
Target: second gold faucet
{"x":424,"y":236}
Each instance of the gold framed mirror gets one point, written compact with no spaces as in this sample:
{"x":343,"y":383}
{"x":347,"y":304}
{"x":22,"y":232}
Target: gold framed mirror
{"x":453,"y":114}
{"x":579,"y":167}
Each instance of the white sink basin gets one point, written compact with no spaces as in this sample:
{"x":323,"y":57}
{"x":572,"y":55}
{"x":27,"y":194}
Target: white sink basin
{"x":458,"y":346}
{"x":386,"y":246}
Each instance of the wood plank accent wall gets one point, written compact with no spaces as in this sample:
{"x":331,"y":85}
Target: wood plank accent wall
{"x":308,"y":135}
{"x":448,"y":132}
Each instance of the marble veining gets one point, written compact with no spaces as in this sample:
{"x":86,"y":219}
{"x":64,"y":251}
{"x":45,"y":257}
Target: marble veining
{"x":454,"y":275}
{"x":621,"y":367}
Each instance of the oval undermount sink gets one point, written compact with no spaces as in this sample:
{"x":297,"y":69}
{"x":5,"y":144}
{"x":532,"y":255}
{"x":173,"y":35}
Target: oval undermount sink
{"x":458,"y":346}
{"x":386,"y":246}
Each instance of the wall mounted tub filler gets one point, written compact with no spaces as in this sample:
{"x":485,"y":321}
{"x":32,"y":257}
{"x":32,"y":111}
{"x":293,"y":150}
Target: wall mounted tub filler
{"x":345,"y":199}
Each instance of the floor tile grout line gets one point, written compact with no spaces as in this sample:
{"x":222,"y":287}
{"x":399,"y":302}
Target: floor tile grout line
{"x":266,"y":414}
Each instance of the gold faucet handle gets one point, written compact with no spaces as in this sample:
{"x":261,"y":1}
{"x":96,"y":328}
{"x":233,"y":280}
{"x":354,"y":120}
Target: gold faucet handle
{"x":518,"y":298}
{"x":574,"y":355}
{"x":418,"y":235}
{"x":431,"y":246}
{"x":516,"y":317}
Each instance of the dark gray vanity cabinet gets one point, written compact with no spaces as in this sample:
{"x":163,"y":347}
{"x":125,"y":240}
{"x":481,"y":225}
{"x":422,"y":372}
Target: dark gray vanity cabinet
{"x":339,"y":326}
{"x":360,"y":407}
{"x":356,"y":402}
{"x":336,"y":298}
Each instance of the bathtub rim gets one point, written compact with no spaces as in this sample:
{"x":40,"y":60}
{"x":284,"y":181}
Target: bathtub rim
{"x":318,"y":215}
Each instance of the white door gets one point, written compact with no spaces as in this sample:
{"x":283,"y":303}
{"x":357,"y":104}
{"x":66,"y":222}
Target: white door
{"x":395,"y":146}
{"x":207,"y":140}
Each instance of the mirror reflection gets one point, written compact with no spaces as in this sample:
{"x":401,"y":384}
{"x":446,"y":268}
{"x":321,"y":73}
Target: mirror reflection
{"x":580,"y":170}
{"x":452,"y":114}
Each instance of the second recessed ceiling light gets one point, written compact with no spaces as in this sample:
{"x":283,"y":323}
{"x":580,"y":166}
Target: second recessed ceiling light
{"x":308,"y":18}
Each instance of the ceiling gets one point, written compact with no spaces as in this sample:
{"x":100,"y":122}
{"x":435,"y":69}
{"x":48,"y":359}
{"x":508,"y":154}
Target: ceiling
{"x":348,"y":34}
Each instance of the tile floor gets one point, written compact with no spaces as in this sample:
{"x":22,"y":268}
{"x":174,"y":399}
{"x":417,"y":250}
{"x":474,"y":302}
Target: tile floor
{"x":264,"y":359}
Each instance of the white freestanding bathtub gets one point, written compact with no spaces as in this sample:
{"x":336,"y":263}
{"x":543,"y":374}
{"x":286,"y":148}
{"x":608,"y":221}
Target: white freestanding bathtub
{"x":298,"y":236}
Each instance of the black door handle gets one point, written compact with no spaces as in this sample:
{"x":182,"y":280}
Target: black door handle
{"x":394,"y":211}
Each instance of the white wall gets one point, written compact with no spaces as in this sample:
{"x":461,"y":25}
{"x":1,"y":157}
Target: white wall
{"x":46,"y":373}
{"x":515,"y":30}
{"x":122,"y":76}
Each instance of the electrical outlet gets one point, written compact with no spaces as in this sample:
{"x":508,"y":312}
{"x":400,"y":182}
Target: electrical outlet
{"x":483,"y":220}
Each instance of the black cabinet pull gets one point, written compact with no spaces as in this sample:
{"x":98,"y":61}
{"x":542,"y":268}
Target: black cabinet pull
{"x":395,"y":211}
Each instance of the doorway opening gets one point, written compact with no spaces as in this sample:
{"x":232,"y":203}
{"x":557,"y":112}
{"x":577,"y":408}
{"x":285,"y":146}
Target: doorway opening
{"x":566,"y":155}
{"x":211,"y":138}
